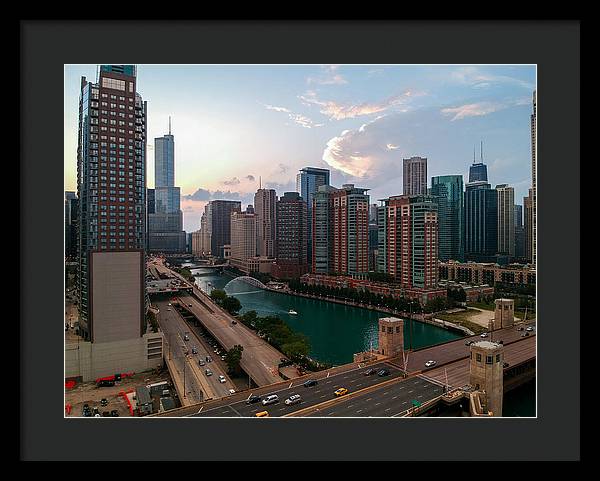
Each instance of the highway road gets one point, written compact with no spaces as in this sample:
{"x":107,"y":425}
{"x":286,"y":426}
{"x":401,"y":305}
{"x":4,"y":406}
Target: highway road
{"x":390,"y":400}
{"x":454,"y":350}
{"x":457,"y":372}
{"x":353,"y":380}
{"x":260,"y":360}
{"x":175,"y":328}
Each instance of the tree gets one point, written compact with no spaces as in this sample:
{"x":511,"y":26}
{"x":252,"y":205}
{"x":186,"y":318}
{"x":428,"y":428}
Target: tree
{"x":218,"y":295}
{"x":231,"y":304}
{"x":233,"y":358}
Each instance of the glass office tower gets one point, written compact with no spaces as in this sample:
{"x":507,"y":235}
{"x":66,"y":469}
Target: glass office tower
{"x":449,"y":195}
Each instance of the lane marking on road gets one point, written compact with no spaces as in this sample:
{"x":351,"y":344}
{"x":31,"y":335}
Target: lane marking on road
{"x":360,"y":410}
{"x":387,"y":410}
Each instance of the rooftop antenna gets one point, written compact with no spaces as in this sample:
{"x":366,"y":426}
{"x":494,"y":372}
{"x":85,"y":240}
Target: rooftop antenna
{"x":481,"y":151}
{"x":473,"y":153}
{"x":169,"y":125}
{"x":259,"y":182}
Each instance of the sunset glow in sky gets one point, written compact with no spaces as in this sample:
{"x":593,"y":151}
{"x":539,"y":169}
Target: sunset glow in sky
{"x":235,"y":123}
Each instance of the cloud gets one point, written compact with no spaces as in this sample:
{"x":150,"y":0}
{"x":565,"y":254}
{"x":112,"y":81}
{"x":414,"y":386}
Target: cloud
{"x":476,"y":78}
{"x":330,"y":77}
{"x":233,"y":181}
{"x":337,"y":111}
{"x":392,"y":147}
{"x":250,"y":177}
{"x":276,"y":109}
{"x":472,"y":110}
{"x":478,"y":109}
{"x":299,"y":119}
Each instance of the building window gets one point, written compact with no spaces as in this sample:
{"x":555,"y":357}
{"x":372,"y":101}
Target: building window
{"x":478,"y":357}
{"x":489,"y":359}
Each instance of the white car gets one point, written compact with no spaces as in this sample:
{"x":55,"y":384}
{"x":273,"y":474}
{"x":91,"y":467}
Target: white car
{"x":485,"y":334}
{"x":232,"y":391}
{"x":293,"y":399}
{"x":222,"y":379}
{"x":529,"y":328}
{"x":273,"y":398}
{"x":430,"y":363}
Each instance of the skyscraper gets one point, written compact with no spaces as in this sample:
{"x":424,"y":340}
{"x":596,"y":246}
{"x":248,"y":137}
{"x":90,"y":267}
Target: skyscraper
{"x":111,"y":186}
{"x":478,"y":171}
{"x":415,"y":176}
{"x":243,"y":236}
{"x":341,"y":221}
{"x":449,"y":195}
{"x":165,"y":224}
{"x":218,"y":214}
{"x":519,"y":234}
{"x":71,"y":213}
{"x":308,"y":181}
{"x":291,"y":236}
{"x":506,"y":220}
{"x":528,"y":225}
{"x":534,"y":179}
{"x":481,"y":222}
{"x":408,"y":246}
{"x":265,"y":208}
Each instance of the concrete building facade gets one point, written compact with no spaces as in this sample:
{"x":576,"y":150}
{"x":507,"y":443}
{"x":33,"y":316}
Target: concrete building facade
{"x":506,"y":220}
{"x":265,"y":201}
{"x":414,"y":176}
{"x":391,"y":336}
{"x":291,"y":234}
{"x":408,"y":240}
{"x":486,"y":373}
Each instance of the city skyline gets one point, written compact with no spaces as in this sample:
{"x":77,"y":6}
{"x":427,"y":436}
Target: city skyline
{"x":359,"y":122}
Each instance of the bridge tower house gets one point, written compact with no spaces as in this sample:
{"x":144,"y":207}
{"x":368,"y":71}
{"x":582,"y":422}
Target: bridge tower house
{"x":504,"y":315}
{"x":486,"y":373}
{"x":391,"y":336}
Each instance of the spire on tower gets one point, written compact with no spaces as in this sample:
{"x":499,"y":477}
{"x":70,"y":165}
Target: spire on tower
{"x":481,"y":151}
{"x":169,"y":125}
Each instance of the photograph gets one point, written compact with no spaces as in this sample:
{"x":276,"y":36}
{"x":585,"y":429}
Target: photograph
{"x":302,"y":240}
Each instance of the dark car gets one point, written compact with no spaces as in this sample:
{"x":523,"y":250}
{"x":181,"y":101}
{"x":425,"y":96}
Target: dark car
{"x":383,"y":372}
{"x":505,"y":364}
{"x":106,"y":414}
{"x":370,"y":372}
{"x":468,"y":343}
{"x":253,"y":399}
{"x":520,"y":328}
{"x":103,"y":402}
{"x":234,"y":322}
{"x":311,"y":382}
{"x":501,"y":342}
{"x":114,"y":413}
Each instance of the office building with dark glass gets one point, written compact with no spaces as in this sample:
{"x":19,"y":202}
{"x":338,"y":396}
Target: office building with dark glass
{"x":308,"y":181}
{"x":448,"y":193}
{"x":481,"y":222}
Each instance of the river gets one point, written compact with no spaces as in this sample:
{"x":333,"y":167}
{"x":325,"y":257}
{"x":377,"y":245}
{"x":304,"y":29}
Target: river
{"x":335,"y":331}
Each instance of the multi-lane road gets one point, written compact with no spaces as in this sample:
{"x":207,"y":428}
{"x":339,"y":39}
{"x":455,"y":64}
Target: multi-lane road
{"x":260,"y":360}
{"x":175,"y":329}
{"x":354,"y":380}
{"x":458,"y":349}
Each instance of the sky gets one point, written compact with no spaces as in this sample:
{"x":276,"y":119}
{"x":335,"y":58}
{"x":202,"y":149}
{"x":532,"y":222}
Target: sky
{"x":238,"y":125}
